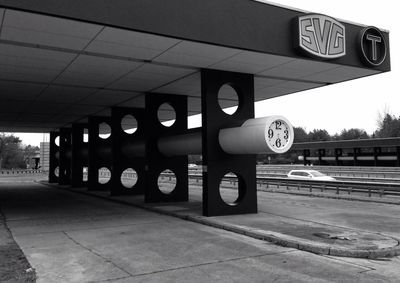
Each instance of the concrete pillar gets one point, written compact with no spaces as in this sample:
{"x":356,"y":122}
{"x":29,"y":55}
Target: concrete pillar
{"x":80,"y":155}
{"x":321,"y":153}
{"x":377,"y":152}
{"x":123,"y":157}
{"x":54,"y":158}
{"x":100,"y":155}
{"x":306,"y":153}
{"x":398,"y":155}
{"x":338,"y":153}
{"x":217,"y":163}
{"x":156,"y":162}
{"x":356,"y":153}
{"x":65,"y":157}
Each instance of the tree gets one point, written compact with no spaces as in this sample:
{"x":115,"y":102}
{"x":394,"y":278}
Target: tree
{"x":352,"y":134}
{"x":11,"y":155}
{"x":319,"y":135}
{"x":388,"y":126}
{"x":300,"y":135}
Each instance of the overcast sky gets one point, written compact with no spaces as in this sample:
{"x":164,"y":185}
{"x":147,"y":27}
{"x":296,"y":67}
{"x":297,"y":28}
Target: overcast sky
{"x":353,"y":104}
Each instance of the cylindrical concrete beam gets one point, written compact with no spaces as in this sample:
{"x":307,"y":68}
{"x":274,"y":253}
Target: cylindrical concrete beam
{"x":180,"y":144}
{"x":134,"y":149}
{"x":273,"y":134}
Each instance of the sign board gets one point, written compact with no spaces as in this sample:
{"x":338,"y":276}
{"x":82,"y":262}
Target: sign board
{"x":320,"y":36}
{"x":373,"y":46}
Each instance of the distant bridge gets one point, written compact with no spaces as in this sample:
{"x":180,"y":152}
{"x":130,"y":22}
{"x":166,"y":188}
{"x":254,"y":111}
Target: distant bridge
{"x":368,"y":152}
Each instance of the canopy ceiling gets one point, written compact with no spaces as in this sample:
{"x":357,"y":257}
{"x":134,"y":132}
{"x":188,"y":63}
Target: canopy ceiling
{"x":56,"y":71}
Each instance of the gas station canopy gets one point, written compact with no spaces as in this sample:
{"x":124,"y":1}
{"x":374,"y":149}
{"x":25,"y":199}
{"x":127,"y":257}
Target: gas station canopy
{"x":62,"y":61}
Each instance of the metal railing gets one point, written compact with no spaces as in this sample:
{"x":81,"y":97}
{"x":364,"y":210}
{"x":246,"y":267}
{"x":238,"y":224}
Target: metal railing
{"x":20,"y":172}
{"x":356,"y":172}
{"x":338,"y":186}
{"x":349,"y":187}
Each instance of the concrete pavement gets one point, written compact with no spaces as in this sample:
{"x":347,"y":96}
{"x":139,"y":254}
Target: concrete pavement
{"x":304,"y":223}
{"x":69,"y":237}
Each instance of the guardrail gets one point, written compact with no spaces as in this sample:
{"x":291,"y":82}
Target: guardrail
{"x":337,"y":186}
{"x":339,"y":178}
{"x":348,"y":187}
{"x":328,"y":167}
{"x":385,"y":172}
{"x":20,"y":171}
{"x":354,"y":174}
{"x":341,"y":175}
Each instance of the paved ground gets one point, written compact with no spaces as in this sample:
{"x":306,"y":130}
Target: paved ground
{"x":70,"y":237}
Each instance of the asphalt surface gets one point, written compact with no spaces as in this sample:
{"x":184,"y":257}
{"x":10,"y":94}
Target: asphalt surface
{"x":71,"y":237}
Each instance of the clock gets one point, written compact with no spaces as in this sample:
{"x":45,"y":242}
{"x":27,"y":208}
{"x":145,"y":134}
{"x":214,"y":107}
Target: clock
{"x":279,"y":135}
{"x":266,"y":135}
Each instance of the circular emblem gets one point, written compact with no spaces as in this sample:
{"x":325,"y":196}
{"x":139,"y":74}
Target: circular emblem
{"x":373,"y":46}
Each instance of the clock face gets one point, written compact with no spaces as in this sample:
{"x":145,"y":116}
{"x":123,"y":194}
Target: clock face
{"x":278,"y":135}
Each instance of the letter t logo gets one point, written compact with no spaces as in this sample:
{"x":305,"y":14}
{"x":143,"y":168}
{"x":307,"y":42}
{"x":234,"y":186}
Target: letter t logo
{"x":374,"y":40}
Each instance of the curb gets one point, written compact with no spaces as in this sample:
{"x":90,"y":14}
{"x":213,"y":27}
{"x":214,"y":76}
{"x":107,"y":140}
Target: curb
{"x":272,"y":237}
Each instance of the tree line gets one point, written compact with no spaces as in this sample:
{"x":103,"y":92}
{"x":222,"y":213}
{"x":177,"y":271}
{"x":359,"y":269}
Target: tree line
{"x":388,"y":127}
{"x":13,"y":154}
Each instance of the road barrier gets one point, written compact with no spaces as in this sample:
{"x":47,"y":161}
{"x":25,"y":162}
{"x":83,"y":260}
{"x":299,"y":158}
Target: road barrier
{"x":349,"y":187}
{"x":20,"y":172}
{"x":338,"y":186}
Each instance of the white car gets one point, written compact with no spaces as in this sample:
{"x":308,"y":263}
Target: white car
{"x":309,"y":175}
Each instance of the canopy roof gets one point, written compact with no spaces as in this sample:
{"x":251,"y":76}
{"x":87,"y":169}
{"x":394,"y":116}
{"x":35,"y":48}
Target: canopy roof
{"x":61,"y":61}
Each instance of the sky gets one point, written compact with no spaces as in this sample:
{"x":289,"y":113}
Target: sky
{"x":352,"y":104}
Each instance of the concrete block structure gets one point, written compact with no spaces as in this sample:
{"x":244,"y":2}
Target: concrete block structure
{"x":44,"y":156}
{"x":87,"y":64}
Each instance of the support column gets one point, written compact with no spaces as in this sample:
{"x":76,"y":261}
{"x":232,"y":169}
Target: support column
{"x":321,"y":153}
{"x":398,"y":156}
{"x":54,"y":168}
{"x":124,"y":154}
{"x":356,"y":153}
{"x":156,"y":162}
{"x":217,"y":163}
{"x":80,"y":156}
{"x":65,"y":156}
{"x":377,"y":152}
{"x":306,"y":153}
{"x":99,"y":155}
{"x":338,"y":153}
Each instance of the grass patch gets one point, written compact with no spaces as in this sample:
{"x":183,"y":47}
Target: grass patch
{"x":14,"y":267}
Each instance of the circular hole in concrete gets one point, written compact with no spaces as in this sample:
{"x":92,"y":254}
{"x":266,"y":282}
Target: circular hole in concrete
{"x":104,"y":130}
{"x":57,"y":141}
{"x":57,"y":172}
{"x":129,"y":124}
{"x":166,"y":115}
{"x":104,"y":175}
{"x":166,"y":181}
{"x":85,"y":174}
{"x":129,"y":178}
{"x":85,"y":135}
{"x":228,"y":99}
{"x":229,"y":188}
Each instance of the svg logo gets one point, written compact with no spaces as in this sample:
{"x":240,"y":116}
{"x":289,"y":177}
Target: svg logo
{"x":320,"y":36}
